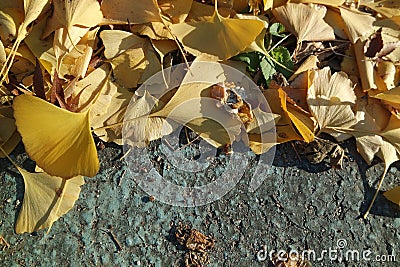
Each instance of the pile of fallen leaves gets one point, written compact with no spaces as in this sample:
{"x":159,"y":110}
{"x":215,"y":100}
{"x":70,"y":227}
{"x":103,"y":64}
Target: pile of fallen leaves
{"x":69,"y":69}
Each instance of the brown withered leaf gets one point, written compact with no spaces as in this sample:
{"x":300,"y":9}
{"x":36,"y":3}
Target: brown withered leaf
{"x":374,"y":44}
{"x":38,"y":83}
{"x":57,"y":92}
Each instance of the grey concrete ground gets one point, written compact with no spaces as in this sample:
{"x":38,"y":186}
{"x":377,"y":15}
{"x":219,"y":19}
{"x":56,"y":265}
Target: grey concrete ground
{"x":299,"y":206}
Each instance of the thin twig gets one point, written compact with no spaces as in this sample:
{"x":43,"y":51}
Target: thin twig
{"x":114,"y":239}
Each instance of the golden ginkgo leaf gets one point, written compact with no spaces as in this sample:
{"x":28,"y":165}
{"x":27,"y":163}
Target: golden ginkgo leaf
{"x":133,"y":59}
{"x":306,"y":22}
{"x":219,"y":37}
{"x":176,"y":10}
{"x":58,"y":140}
{"x":285,"y":130}
{"x":136,"y":12}
{"x":46,"y":198}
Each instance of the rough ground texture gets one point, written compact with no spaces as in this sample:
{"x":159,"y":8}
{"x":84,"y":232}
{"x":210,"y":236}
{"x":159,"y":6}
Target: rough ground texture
{"x":299,"y":206}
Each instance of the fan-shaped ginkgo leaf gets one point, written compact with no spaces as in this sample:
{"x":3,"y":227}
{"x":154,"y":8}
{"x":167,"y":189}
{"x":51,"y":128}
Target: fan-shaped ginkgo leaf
{"x":330,"y":99}
{"x":133,"y":59}
{"x":46,"y":198}
{"x":306,"y":22}
{"x":219,"y":37}
{"x":58,"y":140}
{"x":358,"y":24}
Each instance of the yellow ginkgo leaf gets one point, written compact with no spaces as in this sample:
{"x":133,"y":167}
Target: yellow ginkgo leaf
{"x":330,"y":99}
{"x":59,"y":141}
{"x":133,"y":58}
{"x":80,"y":13}
{"x":128,"y":11}
{"x":304,"y":21}
{"x":285,"y":130}
{"x":176,"y":10}
{"x":46,"y":198}
{"x":41,"y":48}
{"x":392,"y":132}
{"x":219,"y":37}
{"x":140,"y":128}
{"x":191,"y":105}
{"x":71,"y":20}
{"x":76,"y":62}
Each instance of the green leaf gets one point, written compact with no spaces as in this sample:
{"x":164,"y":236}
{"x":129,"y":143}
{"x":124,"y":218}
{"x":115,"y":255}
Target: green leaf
{"x":252,"y":59}
{"x":277,"y":29}
{"x":267,"y":68}
{"x":282,"y":55}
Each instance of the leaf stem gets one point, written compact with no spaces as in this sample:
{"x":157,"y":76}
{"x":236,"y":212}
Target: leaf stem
{"x":376,"y":194}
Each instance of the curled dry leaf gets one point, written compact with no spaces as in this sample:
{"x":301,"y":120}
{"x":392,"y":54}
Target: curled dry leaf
{"x":331,"y":98}
{"x":11,"y":17}
{"x":387,"y":8}
{"x":71,"y":20}
{"x":46,"y":199}
{"x":358,"y":27}
{"x":9,"y":137}
{"x":3,"y":55}
{"x":285,"y":130}
{"x":305,"y":22}
{"x":358,"y":24}
{"x":391,"y":96}
{"x":76,"y":62}
{"x":59,"y":141}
